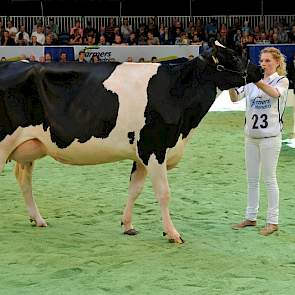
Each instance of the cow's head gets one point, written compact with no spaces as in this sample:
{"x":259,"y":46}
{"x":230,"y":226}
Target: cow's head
{"x":231,"y":70}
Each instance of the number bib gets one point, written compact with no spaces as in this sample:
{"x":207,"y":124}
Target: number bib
{"x":264,"y":113}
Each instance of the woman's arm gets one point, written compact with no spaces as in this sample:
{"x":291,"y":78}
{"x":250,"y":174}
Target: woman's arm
{"x":233,"y":94}
{"x":268,"y":89}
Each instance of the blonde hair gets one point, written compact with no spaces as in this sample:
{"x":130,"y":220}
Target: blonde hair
{"x":278,"y":56}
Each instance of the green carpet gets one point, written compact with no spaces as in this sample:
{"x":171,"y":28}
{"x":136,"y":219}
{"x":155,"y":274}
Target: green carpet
{"x":84,"y":252}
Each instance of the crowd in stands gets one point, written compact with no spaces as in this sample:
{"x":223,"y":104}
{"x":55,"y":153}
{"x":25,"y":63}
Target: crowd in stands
{"x":236,"y":36}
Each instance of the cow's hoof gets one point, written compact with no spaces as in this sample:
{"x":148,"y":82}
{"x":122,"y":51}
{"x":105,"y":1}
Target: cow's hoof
{"x":131,"y":232}
{"x":39,"y":223}
{"x":178,"y":240}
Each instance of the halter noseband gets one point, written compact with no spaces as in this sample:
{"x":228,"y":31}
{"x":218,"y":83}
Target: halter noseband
{"x":221,"y":68}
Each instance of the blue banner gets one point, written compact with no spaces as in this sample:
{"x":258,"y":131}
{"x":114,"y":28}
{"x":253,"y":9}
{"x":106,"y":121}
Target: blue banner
{"x":254,"y":50}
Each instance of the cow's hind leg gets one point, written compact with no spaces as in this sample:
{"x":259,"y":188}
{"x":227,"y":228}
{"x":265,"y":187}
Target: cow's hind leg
{"x":158,"y":174}
{"x":2,"y":163}
{"x":137,"y":179}
{"x":23,"y":173}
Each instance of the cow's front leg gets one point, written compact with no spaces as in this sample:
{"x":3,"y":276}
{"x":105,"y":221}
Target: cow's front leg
{"x":158,"y":174}
{"x":23,"y":174}
{"x":137,"y":179}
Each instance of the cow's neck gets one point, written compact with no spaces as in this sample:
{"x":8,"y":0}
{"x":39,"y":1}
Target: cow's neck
{"x":196,"y":86}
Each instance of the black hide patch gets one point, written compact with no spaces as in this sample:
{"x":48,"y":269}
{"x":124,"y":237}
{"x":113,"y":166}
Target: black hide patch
{"x":131,"y":137}
{"x":178,"y":98}
{"x":70,"y":99}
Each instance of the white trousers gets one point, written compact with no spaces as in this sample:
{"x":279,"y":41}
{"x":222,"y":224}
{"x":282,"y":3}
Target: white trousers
{"x":262,"y":155}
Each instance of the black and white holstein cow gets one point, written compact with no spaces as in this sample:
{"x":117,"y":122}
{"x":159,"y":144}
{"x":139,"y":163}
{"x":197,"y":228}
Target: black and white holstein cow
{"x":84,"y":114}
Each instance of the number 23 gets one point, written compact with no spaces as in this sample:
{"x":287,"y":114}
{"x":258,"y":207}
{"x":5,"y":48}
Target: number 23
{"x":264,"y":121}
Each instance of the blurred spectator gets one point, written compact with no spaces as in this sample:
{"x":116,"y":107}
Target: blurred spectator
{"x":176,"y":29}
{"x":256,"y":34}
{"x":246,"y":28}
{"x":132,"y":40}
{"x":141,"y":35}
{"x":200,"y":29}
{"x":95,"y":59}
{"x":196,"y":40}
{"x":38,"y":23}
{"x":48,"y":40}
{"x":3,"y":59}
{"x":77,"y":28}
{"x":190,"y":57}
{"x":11,"y":29}
{"x":63,"y":57}
{"x":283,"y":35}
{"x":184,"y":40}
{"x":90,"y":31}
{"x":177,"y":37}
{"x":102,"y":32}
{"x":275,"y":39}
{"x":39,"y":35}
{"x":110,"y":29}
{"x":64,"y":38}
{"x":25,"y":36}
{"x":118,"y":41}
{"x":90,"y":40}
{"x":222,"y":36}
{"x":34,"y":41}
{"x":126,"y":30}
{"x":6,"y":40}
{"x":75,"y":38}
{"x":152,"y":25}
{"x":53,"y":36}
{"x":81,"y":57}
{"x":32,"y":57}
{"x":129,"y":59}
{"x":165,"y":36}
{"x":211,"y":29}
{"x":233,"y":31}
{"x":151,"y":39}
{"x":190,"y":27}
{"x":53,"y":26}
{"x":103,"y":41}
{"x":42,"y":59}
{"x":237,"y":45}
{"x":141,"y":59}
{"x":205,"y":48}
{"x":245,"y":40}
{"x":48,"y":57}
{"x":20,"y":41}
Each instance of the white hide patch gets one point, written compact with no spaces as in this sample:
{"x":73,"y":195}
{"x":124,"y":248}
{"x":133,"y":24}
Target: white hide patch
{"x":130,"y":81}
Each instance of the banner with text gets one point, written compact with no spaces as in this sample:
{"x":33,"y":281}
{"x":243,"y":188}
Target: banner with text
{"x":105,"y":53}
